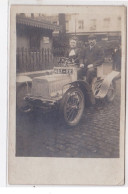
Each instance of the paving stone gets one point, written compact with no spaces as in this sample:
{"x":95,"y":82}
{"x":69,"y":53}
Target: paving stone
{"x":96,"y":136}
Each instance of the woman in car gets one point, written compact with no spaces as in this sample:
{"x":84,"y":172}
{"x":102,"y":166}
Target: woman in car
{"x":73,"y":52}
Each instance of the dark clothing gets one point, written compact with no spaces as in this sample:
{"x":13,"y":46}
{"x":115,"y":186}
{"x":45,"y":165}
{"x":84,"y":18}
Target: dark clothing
{"x":90,"y":74}
{"x":76,"y":56}
{"x":116,"y":57}
{"x":94,"y":56}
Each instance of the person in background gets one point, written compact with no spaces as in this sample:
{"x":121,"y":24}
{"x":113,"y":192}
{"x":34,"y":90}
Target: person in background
{"x":91,"y":57}
{"x":116,"y":57}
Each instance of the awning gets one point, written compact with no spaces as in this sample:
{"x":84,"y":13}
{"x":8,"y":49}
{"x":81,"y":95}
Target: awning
{"x":37,"y":23}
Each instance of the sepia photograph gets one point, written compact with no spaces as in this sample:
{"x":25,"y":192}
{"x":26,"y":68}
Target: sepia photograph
{"x":68,"y":85}
{"x":69,"y":77}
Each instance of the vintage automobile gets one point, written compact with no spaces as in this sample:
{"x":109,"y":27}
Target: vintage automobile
{"x":62,"y":90}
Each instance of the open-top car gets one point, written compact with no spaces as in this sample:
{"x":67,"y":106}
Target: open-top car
{"x":61,"y":89}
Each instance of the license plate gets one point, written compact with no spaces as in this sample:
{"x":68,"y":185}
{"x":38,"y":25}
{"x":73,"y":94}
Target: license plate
{"x":63,"y":71}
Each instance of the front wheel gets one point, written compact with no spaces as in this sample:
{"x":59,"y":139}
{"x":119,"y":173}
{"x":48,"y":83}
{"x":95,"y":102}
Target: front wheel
{"x":111,"y":92}
{"x":72,"y":106}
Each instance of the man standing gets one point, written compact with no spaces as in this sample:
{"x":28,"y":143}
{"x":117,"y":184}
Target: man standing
{"x":91,"y":57}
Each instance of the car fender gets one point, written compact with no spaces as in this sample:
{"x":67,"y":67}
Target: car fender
{"x":87,"y":91}
{"x":113,"y":76}
{"x":23,"y":79}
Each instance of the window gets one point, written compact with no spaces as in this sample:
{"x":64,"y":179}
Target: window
{"x":67,"y":26}
{"x":119,"y":23}
{"x":32,"y":15}
{"x":22,"y":14}
{"x":93,"y":24}
{"x":46,"y":40}
{"x":34,"y":42}
{"x":106,"y":22}
{"x":81,"y":24}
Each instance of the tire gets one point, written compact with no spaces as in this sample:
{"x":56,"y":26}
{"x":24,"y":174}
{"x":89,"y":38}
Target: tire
{"x":21,"y":105}
{"x":72,"y":106}
{"x":111,"y":92}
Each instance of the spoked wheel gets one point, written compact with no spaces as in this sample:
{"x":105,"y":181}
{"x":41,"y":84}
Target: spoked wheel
{"x":111,"y":92}
{"x":72,"y":106}
{"x":22,"y":90}
{"x":96,"y":85}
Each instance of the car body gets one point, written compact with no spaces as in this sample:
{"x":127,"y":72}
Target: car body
{"x":62,"y":90}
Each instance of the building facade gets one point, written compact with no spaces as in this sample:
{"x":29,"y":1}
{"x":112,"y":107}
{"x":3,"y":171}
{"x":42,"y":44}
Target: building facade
{"x":34,"y":31}
{"x":34,"y":41}
{"x":107,"y":27}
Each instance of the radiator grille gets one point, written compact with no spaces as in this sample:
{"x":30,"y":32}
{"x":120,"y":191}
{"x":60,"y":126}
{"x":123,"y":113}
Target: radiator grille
{"x":47,"y":86}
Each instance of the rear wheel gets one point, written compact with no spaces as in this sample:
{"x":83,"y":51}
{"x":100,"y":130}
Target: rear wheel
{"x":72,"y":106}
{"x":111,"y":92}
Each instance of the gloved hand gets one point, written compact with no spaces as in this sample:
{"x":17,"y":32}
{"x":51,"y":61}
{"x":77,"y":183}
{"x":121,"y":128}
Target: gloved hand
{"x":82,"y":65}
{"x":90,"y":66}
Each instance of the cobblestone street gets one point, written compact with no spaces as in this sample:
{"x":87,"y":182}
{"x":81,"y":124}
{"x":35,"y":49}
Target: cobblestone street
{"x":96,"y":136}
